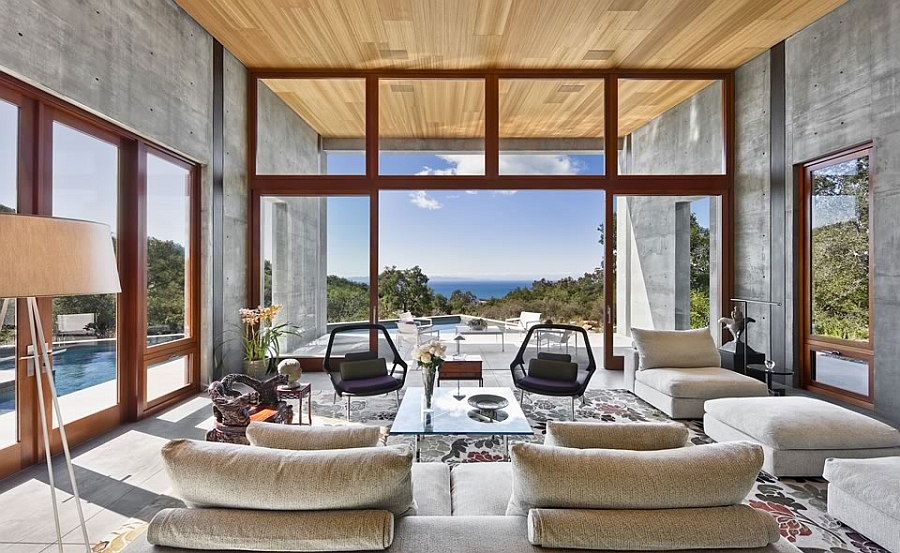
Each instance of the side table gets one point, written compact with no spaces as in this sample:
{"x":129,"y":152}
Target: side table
{"x":461,"y":367}
{"x":769,"y":373}
{"x":305,"y":389}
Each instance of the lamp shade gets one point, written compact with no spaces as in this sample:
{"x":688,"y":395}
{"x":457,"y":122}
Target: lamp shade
{"x":47,"y":256}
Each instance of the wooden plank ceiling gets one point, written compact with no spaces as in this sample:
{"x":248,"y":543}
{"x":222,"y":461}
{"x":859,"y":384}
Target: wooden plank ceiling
{"x":490,"y":34}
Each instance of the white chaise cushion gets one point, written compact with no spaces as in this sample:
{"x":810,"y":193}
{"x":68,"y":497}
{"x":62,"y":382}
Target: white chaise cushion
{"x":787,"y":423}
{"x":702,"y":383}
{"x":875,"y":482}
{"x":676,"y":348}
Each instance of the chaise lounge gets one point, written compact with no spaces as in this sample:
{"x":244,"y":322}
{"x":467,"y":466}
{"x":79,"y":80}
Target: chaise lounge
{"x":677,"y":371}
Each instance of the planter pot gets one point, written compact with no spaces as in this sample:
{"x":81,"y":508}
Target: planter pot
{"x":256,"y":369}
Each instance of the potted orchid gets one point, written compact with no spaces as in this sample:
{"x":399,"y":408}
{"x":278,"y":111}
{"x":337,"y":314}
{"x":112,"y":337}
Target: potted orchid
{"x":261,"y":338}
{"x":429,"y":357}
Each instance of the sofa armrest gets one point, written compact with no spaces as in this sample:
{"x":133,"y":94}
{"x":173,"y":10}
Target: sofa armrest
{"x":632,"y":365}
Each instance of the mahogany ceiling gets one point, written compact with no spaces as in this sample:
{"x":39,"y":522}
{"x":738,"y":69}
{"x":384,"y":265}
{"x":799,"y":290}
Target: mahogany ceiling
{"x":463,"y":34}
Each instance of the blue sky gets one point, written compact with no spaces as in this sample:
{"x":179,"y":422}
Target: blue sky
{"x":472,"y":234}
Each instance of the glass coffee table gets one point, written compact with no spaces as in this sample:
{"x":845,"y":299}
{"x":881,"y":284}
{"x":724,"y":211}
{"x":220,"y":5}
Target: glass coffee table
{"x":453,"y":415}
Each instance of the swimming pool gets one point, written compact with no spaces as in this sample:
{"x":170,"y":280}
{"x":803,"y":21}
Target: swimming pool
{"x":79,"y":367}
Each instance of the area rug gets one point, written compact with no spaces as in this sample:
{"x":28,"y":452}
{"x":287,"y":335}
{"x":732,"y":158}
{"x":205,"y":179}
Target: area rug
{"x":799,"y":505}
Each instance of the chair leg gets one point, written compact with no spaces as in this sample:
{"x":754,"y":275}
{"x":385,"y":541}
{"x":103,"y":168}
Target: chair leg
{"x":348,"y":408}
{"x":398,"y":398}
{"x":334,"y":399}
{"x":583,"y":401}
{"x":573,"y":408}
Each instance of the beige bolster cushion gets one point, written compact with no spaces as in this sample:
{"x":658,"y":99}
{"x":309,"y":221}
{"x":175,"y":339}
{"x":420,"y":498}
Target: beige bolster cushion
{"x":712,"y":475}
{"x":676,"y":349}
{"x":637,"y":436}
{"x":209,"y":474}
{"x":287,"y":436}
{"x":240,"y":530}
{"x":737,"y":526}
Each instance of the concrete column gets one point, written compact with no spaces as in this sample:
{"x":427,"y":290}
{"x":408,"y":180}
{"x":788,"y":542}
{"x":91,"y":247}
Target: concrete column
{"x":682,"y":274}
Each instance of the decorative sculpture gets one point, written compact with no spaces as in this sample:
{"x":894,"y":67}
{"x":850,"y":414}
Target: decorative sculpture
{"x":292,"y":369}
{"x":737,"y":324}
{"x":234,"y":410}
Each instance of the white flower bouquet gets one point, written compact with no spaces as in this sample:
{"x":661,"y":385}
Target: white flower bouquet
{"x":430,"y":354}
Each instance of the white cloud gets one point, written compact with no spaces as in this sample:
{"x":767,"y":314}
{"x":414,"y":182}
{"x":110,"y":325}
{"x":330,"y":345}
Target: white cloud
{"x":505,"y":192}
{"x":422,"y":200}
{"x":530,"y":164}
{"x":510,"y":164}
{"x":472,"y":192}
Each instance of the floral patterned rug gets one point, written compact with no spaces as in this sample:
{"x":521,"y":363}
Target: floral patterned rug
{"x":799,"y":505}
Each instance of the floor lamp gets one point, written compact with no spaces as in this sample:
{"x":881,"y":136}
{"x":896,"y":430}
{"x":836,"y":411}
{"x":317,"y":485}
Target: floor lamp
{"x":50,"y":257}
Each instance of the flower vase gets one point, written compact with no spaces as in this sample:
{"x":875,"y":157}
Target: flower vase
{"x":429,"y":375}
{"x":257,"y":368}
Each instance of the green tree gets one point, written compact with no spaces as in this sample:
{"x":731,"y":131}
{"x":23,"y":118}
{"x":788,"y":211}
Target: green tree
{"x":165,"y":286}
{"x":347,"y":300}
{"x":840,"y":250}
{"x":402,"y":290}
{"x":463,"y":303}
{"x":699,"y":274}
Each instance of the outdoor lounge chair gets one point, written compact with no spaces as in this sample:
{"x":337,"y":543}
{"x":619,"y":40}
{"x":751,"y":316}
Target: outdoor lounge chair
{"x":553,"y":374}
{"x":524,"y":321}
{"x":364,"y":374}
{"x":416,"y":331}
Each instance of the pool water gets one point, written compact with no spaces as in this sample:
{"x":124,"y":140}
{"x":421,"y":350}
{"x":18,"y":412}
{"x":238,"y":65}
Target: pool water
{"x":77,"y":368}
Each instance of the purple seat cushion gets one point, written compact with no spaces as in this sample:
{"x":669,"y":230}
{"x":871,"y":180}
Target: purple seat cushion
{"x":369,"y":385}
{"x":557,"y":386}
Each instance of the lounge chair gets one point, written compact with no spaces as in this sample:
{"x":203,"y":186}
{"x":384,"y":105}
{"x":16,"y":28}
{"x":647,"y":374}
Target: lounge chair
{"x":416,"y":331}
{"x":524,"y":321}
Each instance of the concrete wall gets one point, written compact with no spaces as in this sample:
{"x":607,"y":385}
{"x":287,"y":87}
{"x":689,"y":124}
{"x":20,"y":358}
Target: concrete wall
{"x":685,"y":140}
{"x":653,"y":233}
{"x":842,"y":89}
{"x":287,"y":145}
{"x":146,"y":66}
{"x":752,"y":218}
{"x":299,"y":266}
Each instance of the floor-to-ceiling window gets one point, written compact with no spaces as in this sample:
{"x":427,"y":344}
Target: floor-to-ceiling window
{"x":9,"y":131}
{"x":85,"y":181}
{"x":56,"y":160}
{"x":837,"y":277}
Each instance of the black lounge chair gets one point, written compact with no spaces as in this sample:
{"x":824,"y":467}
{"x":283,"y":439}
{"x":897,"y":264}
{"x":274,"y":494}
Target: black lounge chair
{"x":372,"y":378}
{"x":558,"y":375}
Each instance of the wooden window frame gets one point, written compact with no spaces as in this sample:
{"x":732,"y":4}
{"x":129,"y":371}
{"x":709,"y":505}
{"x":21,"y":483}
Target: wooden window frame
{"x":611,"y":182}
{"x":37,"y":112}
{"x":810,"y":343}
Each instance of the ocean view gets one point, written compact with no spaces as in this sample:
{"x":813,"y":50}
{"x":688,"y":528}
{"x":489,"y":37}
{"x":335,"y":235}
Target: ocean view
{"x":483,"y":289}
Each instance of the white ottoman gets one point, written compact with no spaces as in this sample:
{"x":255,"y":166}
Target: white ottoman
{"x":865,"y":495}
{"x":799,"y":433}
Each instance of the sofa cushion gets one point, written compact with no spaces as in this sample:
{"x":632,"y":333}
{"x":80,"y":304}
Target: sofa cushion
{"x":549,"y":385}
{"x":676,"y":348}
{"x":737,"y":526}
{"x":252,"y":530}
{"x":786,"y":422}
{"x":480,"y":489}
{"x":209,"y":474}
{"x":431,"y":489}
{"x":875,"y":482}
{"x":636,"y":436}
{"x":712,"y":475}
{"x":288,"y":436}
{"x":702,"y":383}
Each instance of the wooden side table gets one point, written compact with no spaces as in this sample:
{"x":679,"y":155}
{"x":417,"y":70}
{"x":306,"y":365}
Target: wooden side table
{"x":305,"y":389}
{"x":463,"y":367}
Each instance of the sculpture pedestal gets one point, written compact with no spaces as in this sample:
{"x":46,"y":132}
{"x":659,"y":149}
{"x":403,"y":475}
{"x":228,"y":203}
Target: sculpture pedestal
{"x":732,"y":356}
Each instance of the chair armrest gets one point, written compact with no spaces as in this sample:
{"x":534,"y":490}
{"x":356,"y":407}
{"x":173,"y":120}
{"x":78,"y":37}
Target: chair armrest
{"x":632,"y":365}
{"x":424,"y":323}
{"x":530,"y":324}
{"x":514,"y":320}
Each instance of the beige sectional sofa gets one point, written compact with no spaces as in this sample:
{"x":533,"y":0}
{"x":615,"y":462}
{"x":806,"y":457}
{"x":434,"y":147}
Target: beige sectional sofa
{"x":633,"y":504}
{"x":678,"y":371}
